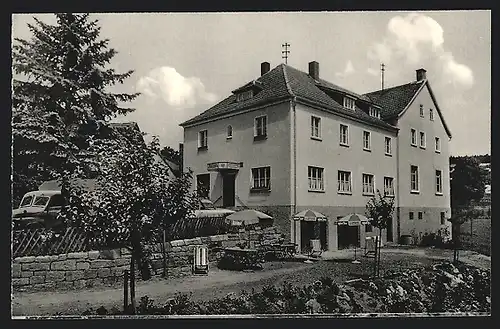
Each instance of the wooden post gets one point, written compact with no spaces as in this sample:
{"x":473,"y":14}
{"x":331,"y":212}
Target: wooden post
{"x":125,"y":291}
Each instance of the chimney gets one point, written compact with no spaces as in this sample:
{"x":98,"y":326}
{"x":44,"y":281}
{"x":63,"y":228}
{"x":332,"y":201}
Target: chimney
{"x":181,"y":153}
{"x":421,"y":74}
{"x":264,"y":68}
{"x":314,"y":70}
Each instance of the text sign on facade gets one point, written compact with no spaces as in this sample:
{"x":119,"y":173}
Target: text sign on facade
{"x":223,"y":165}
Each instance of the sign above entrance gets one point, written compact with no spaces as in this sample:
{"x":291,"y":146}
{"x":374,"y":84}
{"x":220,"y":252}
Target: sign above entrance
{"x":215,"y":166}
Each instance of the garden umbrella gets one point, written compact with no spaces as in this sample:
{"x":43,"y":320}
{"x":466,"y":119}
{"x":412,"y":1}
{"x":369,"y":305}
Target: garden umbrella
{"x":353,"y":219}
{"x":246,"y":217}
{"x":310,"y":215}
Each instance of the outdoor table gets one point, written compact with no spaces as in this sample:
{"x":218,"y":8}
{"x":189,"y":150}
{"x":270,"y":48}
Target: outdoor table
{"x":284,"y":250}
{"x":247,"y":258}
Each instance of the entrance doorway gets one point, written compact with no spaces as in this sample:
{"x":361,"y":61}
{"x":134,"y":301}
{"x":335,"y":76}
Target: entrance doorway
{"x":389,"y":229}
{"x":348,"y":236}
{"x":228,"y":189}
{"x":311,"y":230}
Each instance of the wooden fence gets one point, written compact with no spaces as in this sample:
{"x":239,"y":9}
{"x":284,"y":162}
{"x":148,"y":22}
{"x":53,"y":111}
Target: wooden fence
{"x":37,"y":242}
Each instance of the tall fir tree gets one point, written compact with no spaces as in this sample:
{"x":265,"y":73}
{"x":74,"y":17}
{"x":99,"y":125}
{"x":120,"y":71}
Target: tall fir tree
{"x":60,"y":102}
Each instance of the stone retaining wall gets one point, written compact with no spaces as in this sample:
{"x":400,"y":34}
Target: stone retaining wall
{"x":97,"y":268}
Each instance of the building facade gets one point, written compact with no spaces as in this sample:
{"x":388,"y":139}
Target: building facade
{"x":290,"y":141}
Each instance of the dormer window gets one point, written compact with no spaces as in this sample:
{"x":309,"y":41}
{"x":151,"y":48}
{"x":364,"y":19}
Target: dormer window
{"x":349,"y":103}
{"x":374,"y":112}
{"x":244,"y":95}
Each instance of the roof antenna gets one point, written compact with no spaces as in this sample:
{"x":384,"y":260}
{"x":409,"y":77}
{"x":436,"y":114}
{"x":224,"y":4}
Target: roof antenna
{"x":382,"y":69}
{"x":285,"y":52}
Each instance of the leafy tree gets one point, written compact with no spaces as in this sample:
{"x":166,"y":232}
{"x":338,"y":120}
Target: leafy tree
{"x":467,"y":185}
{"x":379,"y":209}
{"x":170,"y":154}
{"x":60,"y":97}
{"x":135,"y":200}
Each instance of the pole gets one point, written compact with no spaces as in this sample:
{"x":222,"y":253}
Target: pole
{"x":125,"y":291}
{"x":471,"y":228}
{"x":375,"y":258}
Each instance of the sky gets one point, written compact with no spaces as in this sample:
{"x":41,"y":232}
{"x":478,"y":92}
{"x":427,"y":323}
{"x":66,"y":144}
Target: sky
{"x":186,"y":62}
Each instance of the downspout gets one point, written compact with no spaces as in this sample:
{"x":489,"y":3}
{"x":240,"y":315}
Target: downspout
{"x":294,"y":132}
{"x":398,"y":203}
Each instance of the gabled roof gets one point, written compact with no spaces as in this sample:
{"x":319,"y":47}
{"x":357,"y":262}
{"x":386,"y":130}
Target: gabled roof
{"x":396,"y":100}
{"x":285,"y":82}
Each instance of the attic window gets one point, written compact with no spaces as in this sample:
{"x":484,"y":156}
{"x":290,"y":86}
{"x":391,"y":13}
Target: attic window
{"x":374,"y":112}
{"x":349,"y":103}
{"x":244,"y":95}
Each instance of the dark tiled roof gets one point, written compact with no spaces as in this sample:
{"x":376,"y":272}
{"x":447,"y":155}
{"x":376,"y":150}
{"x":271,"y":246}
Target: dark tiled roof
{"x":285,"y":82}
{"x":394,"y":100}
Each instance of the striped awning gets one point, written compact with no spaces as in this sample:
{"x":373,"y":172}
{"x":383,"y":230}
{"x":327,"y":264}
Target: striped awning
{"x":310,"y":215}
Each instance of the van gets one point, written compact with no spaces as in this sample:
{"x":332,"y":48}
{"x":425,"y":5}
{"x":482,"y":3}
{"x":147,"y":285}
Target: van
{"x":39,"y":209}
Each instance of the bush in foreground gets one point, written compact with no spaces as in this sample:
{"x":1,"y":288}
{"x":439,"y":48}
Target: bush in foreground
{"x":442,"y":287}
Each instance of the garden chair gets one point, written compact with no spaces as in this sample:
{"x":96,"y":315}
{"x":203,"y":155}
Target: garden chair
{"x":315,"y":248}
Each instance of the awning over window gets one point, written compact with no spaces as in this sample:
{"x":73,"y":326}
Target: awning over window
{"x":310,"y":215}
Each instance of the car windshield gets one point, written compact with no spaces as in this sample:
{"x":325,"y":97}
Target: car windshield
{"x":26,"y":202}
{"x":41,"y":201}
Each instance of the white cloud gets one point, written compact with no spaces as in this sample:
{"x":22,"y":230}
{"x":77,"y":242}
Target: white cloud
{"x":175,"y":90}
{"x":348,"y":70}
{"x":417,"y":39}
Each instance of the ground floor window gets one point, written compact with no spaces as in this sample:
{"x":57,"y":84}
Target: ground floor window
{"x":203,"y":185}
{"x":261,"y":178}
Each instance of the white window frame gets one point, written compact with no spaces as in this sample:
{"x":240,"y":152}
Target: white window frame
{"x":316,"y":179}
{"x":431,"y":114}
{"x":229,"y":132}
{"x":438,"y":183}
{"x":437,"y":144}
{"x":388,"y":188}
{"x":202,"y":145}
{"x":264,"y":128}
{"x":422,"y":114}
{"x":374,"y":112}
{"x":390,"y":145}
{"x":315,"y":127}
{"x":369,"y":140}
{"x":346,"y":143}
{"x":424,"y":144}
{"x":349,"y":103}
{"x":417,"y":179}
{"x":266,"y":178}
{"x":413,"y":133}
{"x":368,"y":189}
{"x":342,"y":183}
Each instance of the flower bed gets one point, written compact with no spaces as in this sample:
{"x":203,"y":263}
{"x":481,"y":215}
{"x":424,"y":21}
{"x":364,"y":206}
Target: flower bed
{"x":440,"y":288}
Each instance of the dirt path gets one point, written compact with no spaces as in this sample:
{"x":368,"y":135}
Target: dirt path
{"x":219,"y":283}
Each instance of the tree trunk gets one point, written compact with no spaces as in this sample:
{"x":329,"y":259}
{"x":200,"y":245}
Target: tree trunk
{"x":164,"y":254}
{"x":132,"y":282}
{"x":379,"y":247}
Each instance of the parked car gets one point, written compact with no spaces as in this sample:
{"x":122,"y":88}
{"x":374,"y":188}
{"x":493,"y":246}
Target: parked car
{"x":38,"y":209}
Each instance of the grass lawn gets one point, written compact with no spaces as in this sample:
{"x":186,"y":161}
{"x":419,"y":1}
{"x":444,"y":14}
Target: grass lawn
{"x":480,"y":239}
{"x":217,"y":284}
